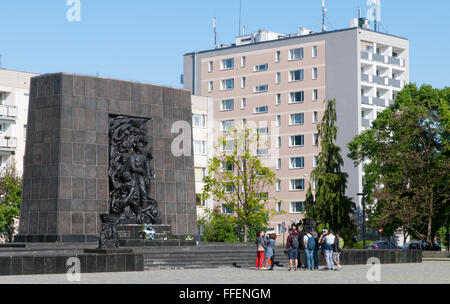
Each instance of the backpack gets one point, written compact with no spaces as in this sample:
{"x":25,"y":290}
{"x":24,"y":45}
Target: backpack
{"x":341,"y":243}
{"x":311,"y":243}
{"x":294,"y":242}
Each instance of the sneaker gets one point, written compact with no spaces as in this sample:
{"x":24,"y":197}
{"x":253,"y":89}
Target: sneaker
{"x":290,"y":269}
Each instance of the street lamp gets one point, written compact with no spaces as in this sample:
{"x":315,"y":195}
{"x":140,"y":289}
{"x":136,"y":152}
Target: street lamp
{"x":363,"y":232}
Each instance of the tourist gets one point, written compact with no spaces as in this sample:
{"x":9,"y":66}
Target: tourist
{"x":338,"y":245}
{"x":328,"y":242}
{"x":292,"y":246}
{"x":309,"y":244}
{"x":260,"y":249}
{"x":301,"y":248}
{"x":316,"y":250}
{"x":270,"y":250}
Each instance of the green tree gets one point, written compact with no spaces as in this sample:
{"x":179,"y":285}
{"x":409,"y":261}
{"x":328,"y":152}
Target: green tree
{"x":218,"y":227}
{"x":10,"y":193}
{"x":405,"y":156}
{"x":330,"y":207}
{"x":240,"y":181}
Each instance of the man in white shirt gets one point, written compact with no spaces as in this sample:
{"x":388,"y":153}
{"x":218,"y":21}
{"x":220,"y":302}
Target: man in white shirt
{"x":328,"y":241}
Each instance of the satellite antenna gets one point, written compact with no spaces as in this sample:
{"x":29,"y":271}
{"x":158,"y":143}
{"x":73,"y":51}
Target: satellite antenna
{"x":215,"y":32}
{"x":324,"y":10}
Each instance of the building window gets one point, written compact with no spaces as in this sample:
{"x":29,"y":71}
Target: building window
{"x":227,"y":105}
{"x":228,"y":145}
{"x":243,"y":81}
{"x":262,"y":151}
{"x":210,"y":66}
{"x":210,"y":86}
{"x":297,"y":163}
{"x":278,"y":189}
{"x":199,"y":120}
{"x":297,"y":75}
{"x":243,"y":61}
{"x":315,"y":73}
{"x":261,"y":88}
{"x":227,"y":84}
{"x":26,"y":101}
{"x":279,"y":229}
{"x":278,"y":211}
{"x":227,"y":64}
{"x":226,"y":210}
{"x":314,"y":51}
{"x":315,"y":161}
{"x":296,"y":54}
{"x":278,"y":143}
{"x":297,"y":97}
{"x":278,"y":99}
{"x":278,"y":78}
{"x":278,"y":121}
{"x":315,"y":96}
{"x":227,"y":167}
{"x":277,"y":56}
{"x":296,"y":119}
{"x":199,"y":147}
{"x":263,"y":109}
{"x":315,"y":139}
{"x":243,"y":103}
{"x":227,"y":125}
{"x":262,"y":131}
{"x":261,"y":67}
{"x":296,"y":207}
{"x":297,"y":184}
{"x":297,"y":141}
{"x":24,"y":132}
{"x":315,"y":117}
{"x":200,"y":201}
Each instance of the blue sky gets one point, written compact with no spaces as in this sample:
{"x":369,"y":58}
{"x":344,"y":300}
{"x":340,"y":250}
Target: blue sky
{"x":144,"y":40}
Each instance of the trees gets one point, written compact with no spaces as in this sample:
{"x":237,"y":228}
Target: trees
{"x":407,"y":169}
{"x":330,"y":207}
{"x":10,"y":193}
{"x":239,"y":180}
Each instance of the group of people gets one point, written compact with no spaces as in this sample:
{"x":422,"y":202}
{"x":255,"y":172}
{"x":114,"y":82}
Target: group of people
{"x":298,"y":240}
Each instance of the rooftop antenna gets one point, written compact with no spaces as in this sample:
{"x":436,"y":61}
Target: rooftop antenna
{"x":324,"y":10}
{"x":240,"y":17}
{"x":215,"y":32}
{"x":376,"y":13}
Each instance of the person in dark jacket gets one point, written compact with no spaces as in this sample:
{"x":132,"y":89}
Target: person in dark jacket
{"x":316,"y":250}
{"x":301,"y":248}
{"x":292,"y":244}
{"x":260,"y":249}
{"x":270,"y":250}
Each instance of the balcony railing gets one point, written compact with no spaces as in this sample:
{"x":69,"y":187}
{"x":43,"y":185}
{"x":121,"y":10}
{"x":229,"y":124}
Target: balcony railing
{"x":8,"y":143}
{"x":383,"y":59}
{"x":379,"y":102}
{"x":8,"y":111}
{"x":395,"y":83}
{"x":368,"y":100}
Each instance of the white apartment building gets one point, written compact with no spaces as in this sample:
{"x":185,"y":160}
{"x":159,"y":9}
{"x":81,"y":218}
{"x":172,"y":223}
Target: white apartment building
{"x":14,"y":97}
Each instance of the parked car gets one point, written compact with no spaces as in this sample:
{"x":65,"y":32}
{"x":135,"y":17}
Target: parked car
{"x":383,"y":245}
{"x":414,"y":245}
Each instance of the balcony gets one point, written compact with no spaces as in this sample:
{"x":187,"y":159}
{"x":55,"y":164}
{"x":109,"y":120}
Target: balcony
{"x":365,"y":100}
{"x":383,"y":59}
{"x":379,"y":80}
{"x":365,"y":77}
{"x":379,"y":102}
{"x":395,"y":83}
{"x":10,"y":143}
{"x":374,"y":101}
{"x":8,"y":111}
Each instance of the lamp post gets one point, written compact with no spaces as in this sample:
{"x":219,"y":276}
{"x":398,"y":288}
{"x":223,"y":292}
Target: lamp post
{"x":363,"y":232}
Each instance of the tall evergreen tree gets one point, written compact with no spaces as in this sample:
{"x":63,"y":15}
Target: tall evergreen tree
{"x":331,"y":207}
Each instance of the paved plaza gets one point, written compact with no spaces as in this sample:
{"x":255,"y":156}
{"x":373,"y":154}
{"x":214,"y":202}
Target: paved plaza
{"x":433,"y":272}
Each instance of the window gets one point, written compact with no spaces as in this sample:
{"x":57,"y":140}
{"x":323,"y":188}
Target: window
{"x":278,"y":189}
{"x":315,"y":96}
{"x":296,"y":119}
{"x":210,"y":66}
{"x":278,"y":121}
{"x":278,"y":211}
{"x":243,"y":61}
{"x":314,"y":51}
{"x":277,"y":56}
{"x":244,"y":122}
{"x":278,"y":99}
{"x":228,"y":145}
{"x":315,"y":117}
{"x":227,"y":84}
{"x":210,"y":86}
{"x":261,"y":67}
{"x":297,"y":163}
{"x":278,"y":78}
{"x":227,"y":167}
{"x":279,"y":230}
{"x":24,"y":132}
{"x":26,"y":101}
{"x":297,"y":75}
{"x":315,"y":139}
{"x":315,"y":73}
{"x":227,"y":64}
{"x":296,"y":207}
{"x":297,"y":184}
{"x":263,"y":151}
{"x":243,"y":81}
{"x":296,"y":54}
{"x":278,"y":164}
{"x":261,"y":88}
{"x":297,"y":141}
{"x":199,"y":147}
{"x":227,"y":105}
{"x":315,"y":161}
{"x":262,"y":131}
{"x":200,"y":201}
{"x":227,"y":125}
{"x":243,"y":103}
{"x":199,"y":120}
{"x":278,"y":143}
{"x":262,"y":109}
{"x":297,"y":97}
{"x":226,"y":210}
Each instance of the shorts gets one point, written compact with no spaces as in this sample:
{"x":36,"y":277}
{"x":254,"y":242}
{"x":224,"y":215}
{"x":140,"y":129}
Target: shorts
{"x":336,"y":257}
{"x":293,"y":253}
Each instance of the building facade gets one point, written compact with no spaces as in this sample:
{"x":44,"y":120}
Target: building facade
{"x":281,"y":82}
{"x":14,"y":97}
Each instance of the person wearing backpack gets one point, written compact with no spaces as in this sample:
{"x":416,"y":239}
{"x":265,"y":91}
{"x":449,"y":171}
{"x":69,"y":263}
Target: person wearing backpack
{"x":338,"y":246}
{"x":301,"y":248}
{"x":316,"y":250}
{"x":328,"y":242}
{"x":292,"y":244}
{"x":309,"y":244}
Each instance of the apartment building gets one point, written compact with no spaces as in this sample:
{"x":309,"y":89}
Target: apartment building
{"x":281,"y":82}
{"x":14,"y":97}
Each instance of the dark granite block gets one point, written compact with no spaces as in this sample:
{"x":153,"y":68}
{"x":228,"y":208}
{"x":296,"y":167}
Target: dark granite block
{"x":91,"y":261}
{"x":78,"y":189}
{"x":16,"y":265}
{"x":101,"y":263}
{"x":111,"y":265}
{"x":121,"y":263}
{"x":38,"y":265}
{"x":50,"y":265}
{"x":28,"y":265}
{"x":5,"y":266}
{"x":90,"y":154}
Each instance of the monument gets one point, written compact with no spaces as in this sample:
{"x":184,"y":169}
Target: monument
{"x":98,"y":153}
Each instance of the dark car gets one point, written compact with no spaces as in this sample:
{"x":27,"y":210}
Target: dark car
{"x":414,"y":245}
{"x":382,"y":245}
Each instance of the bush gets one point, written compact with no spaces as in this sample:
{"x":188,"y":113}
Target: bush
{"x":218,"y":227}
